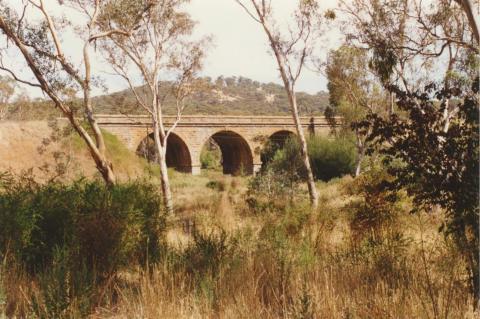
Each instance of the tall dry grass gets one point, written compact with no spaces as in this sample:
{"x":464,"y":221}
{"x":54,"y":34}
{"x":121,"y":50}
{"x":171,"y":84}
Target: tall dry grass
{"x":284,"y":263}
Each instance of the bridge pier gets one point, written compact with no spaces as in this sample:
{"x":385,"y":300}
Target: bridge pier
{"x":256,"y":168}
{"x":196,"y":169}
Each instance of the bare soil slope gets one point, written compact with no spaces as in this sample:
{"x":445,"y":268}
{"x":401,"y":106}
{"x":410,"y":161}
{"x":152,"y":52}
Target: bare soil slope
{"x":20,"y":150}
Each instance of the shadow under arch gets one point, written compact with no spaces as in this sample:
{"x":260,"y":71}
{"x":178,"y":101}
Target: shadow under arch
{"x":280,"y":137}
{"x":178,"y":154}
{"x":237,"y":158}
{"x":275,"y":142}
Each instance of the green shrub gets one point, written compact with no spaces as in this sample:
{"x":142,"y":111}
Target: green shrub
{"x":210,"y":156}
{"x":270,"y":191}
{"x":71,"y":237}
{"x":376,"y":239}
{"x":375,"y":210}
{"x":283,"y":250}
{"x":103,"y":227}
{"x":331,"y":158}
{"x":216,"y":185}
{"x":288,"y":161}
{"x":207,"y":253}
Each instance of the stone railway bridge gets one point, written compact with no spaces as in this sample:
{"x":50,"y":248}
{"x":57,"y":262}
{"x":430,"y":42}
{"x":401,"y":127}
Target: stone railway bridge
{"x":240,"y":138}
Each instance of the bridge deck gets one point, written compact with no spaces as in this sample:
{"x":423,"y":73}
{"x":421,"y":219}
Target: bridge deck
{"x":211,"y":120}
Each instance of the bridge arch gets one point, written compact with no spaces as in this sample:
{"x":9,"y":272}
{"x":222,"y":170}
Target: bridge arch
{"x":275,"y":142}
{"x":280,"y":137}
{"x":237,"y":156}
{"x":178,"y":155}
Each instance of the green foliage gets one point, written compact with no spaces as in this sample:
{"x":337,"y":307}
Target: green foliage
{"x":283,"y":250}
{"x":347,"y":74}
{"x":376,"y":239}
{"x":76,"y":236}
{"x":207,"y":253}
{"x":440,"y":162}
{"x":331,"y":158}
{"x":375,"y":212}
{"x":216,"y":185}
{"x":65,"y":291}
{"x":204,"y":261}
{"x":289,"y":161}
{"x":210,"y":156}
{"x":277,"y":182}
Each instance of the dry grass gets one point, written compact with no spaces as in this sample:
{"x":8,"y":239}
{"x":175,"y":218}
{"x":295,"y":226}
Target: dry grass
{"x":275,"y":266}
{"x":22,"y":148}
{"x":429,"y":284}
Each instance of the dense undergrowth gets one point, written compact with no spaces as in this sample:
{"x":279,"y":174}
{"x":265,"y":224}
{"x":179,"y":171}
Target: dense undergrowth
{"x":72,"y":239}
{"x":329,"y":158}
{"x":251,"y":251}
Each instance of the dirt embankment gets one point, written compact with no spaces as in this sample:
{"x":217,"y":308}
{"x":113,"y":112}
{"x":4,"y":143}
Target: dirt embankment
{"x":21,"y":145}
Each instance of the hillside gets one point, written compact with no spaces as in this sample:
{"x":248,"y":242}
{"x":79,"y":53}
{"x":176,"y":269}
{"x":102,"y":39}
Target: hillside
{"x":231,"y":95}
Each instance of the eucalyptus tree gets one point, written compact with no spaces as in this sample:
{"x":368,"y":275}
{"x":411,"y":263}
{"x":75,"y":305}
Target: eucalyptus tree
{"x":426,"y":55}
{"x":291,"y":50}
{"x":159,"y":46}
{"x":413,"y":42}
{"x":439,"y":168}
{"x":39,"y":39}
{"x":354,"y":92}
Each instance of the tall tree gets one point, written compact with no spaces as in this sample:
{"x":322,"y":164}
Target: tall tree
{"x":412,"y":42}
{"x":439,"y":168}
{"x":158,"y":46}
{"x":36,"y":35}
{"x":291,"y":52}
{"x":354,"y":92}
{"x":469,"y":8}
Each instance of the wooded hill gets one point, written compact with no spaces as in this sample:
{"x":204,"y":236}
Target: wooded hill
{"x":223,"y":96}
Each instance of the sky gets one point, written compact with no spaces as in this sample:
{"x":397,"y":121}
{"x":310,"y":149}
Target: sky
{"x":239,"y":47}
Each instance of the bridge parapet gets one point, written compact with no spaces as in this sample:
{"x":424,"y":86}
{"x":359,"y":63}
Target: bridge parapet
{"x":211,"y":120}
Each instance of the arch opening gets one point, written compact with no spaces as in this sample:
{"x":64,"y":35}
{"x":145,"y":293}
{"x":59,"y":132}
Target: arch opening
{"x":177,"y":157}
{"x":236,"y":157}
{"x":275,"y":142}
{"x":279,"y":138}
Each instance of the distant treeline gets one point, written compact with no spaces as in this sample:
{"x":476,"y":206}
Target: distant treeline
{"x":221,"y":96}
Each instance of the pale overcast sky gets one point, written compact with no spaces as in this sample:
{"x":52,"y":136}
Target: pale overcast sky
{"x":239,"y":47}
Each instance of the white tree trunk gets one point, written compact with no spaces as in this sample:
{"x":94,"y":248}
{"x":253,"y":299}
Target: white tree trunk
{"x":358,"y":165}
{"x":360,"y":145}
{"x":312,"y":190}
{"x":162,"y":162}
{"x":97,"y":147}
{"x":472,"y":16}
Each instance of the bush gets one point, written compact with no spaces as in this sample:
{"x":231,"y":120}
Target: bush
{"x":216,"y":185}
{"x":376,"y":238}
{"x":376,"y":209}
{"x":275,"y":185}
{"x":71,"y":237}
{"x":331,"y":158}
{"x":283,"y":251}
{"x":210,"y":156}
{"x":102,"y":227}
{"x":207,"y":253}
